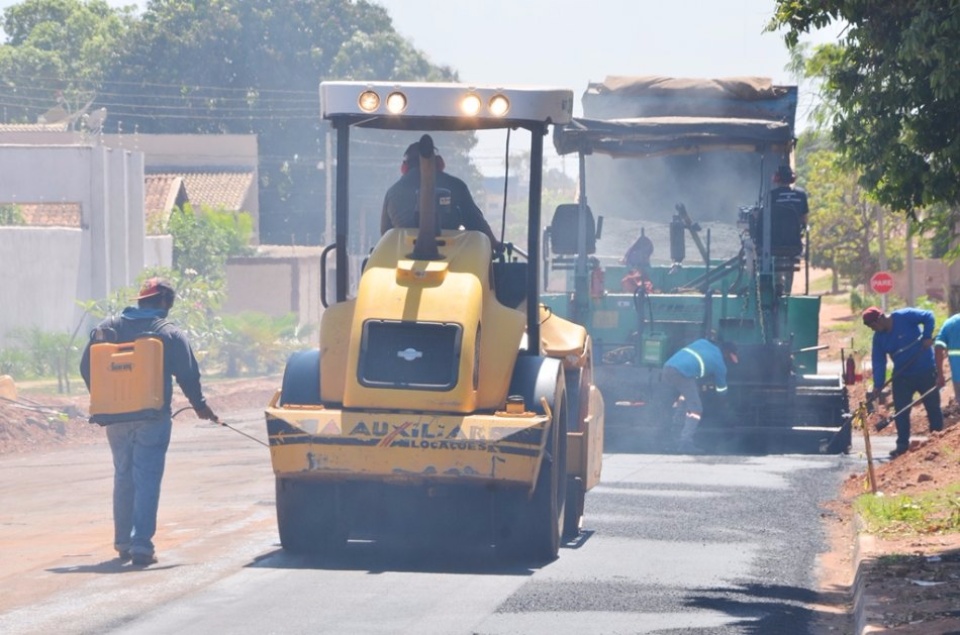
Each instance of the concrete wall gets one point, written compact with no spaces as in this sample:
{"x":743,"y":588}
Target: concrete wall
{"x":48,"y":269}
{"x":929,"y":278}
{"x":277,"y":285}
{"x":164,"y":152}
{"x":42,"y":278}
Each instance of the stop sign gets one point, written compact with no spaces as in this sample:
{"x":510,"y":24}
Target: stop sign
{"x":881,"y":282}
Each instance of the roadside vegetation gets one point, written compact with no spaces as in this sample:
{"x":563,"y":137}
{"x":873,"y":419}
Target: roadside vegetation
{"x":904,"y":515}
{"x":249,"y":343}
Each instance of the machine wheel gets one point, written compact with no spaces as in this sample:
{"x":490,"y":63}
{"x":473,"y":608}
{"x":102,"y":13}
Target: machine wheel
{"x":573,"y":510}
{"x":307,"y":517}
{"x":301,"y":379}
{"x":532,"y":527}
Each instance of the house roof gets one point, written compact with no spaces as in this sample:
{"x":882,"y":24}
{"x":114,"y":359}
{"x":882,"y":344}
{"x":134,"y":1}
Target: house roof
{"x":60,"y":126}
{"x":222,"y":189}
{"x":162,"y":192}
{"x":50,"y":214}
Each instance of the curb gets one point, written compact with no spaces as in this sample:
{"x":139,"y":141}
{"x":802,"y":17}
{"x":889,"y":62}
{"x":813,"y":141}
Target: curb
{"x":866,"y":609}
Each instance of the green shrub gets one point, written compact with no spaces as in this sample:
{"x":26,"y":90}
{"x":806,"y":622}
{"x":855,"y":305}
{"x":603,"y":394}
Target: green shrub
{"x":14,"y":362}
{"x":257,"y":344}
{"x":50,"y":354}
{"x":11,"y":215}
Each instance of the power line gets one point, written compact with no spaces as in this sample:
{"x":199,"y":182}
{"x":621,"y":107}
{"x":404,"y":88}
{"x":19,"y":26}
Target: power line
{"x":34,"y":78}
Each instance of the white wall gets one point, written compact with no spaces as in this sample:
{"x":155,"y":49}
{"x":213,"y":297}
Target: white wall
{"x":41,"y":278}
{"x":46,"y":270}
{"x":277,"y":285}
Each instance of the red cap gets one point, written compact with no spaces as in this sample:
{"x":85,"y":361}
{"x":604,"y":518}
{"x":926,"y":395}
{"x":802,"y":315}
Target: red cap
{"x":870,"y":315}
{"x":154,"y":286}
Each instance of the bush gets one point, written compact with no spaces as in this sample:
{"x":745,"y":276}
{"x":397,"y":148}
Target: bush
{"x":14,"y":362}
{"x":256,"y":343}
{"x":11,"y":215}
{"x":203,"y":239}
{"x":50,"y":354}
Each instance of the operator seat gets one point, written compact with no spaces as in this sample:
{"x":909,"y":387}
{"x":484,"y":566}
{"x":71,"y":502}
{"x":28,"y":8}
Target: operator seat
{"x":786,"y":238}
{"x":563,"y":230}
{"x":560,"y":238}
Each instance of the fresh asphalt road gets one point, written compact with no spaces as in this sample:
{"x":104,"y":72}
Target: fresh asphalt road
{"x":672,"y":544}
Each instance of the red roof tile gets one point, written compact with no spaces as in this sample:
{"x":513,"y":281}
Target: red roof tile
{"x":161,"y":193}
{"x":226,"y":190}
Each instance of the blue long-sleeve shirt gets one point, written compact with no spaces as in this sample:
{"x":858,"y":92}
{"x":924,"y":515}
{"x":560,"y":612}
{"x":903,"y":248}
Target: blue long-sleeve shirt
{"x":949,"y":340}
{"x":902,"y":344}
{"x":699,"y":359}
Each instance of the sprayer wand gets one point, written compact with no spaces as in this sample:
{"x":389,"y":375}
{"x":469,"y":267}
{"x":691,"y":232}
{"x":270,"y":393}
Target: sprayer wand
{"x":224,"y":424}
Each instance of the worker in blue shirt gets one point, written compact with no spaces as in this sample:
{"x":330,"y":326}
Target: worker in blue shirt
{"x":906,"y":335}
{"x":947,"y":346}
{"x":698,"y":360}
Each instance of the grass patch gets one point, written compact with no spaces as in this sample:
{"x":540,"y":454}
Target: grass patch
{"x":927,"y":513}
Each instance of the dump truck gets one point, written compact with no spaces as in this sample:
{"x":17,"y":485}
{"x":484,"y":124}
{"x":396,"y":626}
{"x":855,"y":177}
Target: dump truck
{"x":678,"y":165}
{"x":443,"y":399}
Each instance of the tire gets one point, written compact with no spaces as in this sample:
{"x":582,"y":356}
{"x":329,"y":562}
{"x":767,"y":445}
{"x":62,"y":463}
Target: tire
{"x":307,"y":517}
{"x":301,"y":379}
{"x":532,"y":527}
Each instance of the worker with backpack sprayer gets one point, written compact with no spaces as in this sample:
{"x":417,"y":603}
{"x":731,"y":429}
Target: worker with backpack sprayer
{"x":128,"y":366}
{"x":906,"y":335}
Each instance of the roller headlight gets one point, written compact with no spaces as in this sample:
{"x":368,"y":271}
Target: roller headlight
{"x":499,"y":105}
{"x":396,"y":103}
{"x":369,"y":101}
{"x":471,"y":104}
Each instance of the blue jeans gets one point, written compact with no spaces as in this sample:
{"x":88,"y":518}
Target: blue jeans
{"x":139,"y":454}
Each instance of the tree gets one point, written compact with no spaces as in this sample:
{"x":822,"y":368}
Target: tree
{"x":843,"y":216}
{"x":55,"y":54}
{"x":203,"y":239}
{"x":253,"y":66}
{"x":896,"y":86}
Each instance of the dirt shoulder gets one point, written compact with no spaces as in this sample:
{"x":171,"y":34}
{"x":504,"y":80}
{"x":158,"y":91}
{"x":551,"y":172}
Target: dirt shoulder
{"x":40,"y":421}
{"x":910,"y":581}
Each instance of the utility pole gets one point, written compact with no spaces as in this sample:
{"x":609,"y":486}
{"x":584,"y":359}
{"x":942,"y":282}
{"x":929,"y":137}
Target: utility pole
{"x":881,"y":243}
{"x":953,"y":271}
{"x":910,"y":290}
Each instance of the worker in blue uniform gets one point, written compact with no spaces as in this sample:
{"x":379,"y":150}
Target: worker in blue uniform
{"x":947,"y":347}
{"x":682,"y":373}
{"x":906,"y":335}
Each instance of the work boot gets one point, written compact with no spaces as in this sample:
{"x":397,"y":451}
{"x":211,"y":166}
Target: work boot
{"x":897,"y":452}
{"x":143,"y":559}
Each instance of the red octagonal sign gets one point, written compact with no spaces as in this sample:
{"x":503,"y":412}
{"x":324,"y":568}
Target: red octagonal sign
{"x":881,"y":282}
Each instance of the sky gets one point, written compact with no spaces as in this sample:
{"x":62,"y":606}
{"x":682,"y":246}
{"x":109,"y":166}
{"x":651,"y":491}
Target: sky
{"x":570,"y":43}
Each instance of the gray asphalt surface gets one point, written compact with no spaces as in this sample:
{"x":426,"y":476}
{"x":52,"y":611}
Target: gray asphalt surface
{"x":673,"y":544}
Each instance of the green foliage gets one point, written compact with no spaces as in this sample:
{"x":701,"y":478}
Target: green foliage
{"x":257,"y":344}
{"x":262,"y":62}
{"x":931,"y":512}
{"x":14,"y":361}
{"x":55,"y":53}
{"x":49,"y":354}
{"x":844,"y":232}
{"x":895,"y":84}
{"x":203,"y":240}
{"x":196,"y":310}
{"x":11,"y":215}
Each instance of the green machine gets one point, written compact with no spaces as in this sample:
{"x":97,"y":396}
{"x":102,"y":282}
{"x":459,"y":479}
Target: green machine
{"x":648,"y":148}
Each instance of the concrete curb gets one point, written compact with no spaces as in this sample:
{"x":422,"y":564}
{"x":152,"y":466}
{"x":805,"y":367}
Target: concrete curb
{"x":866,"y":608}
